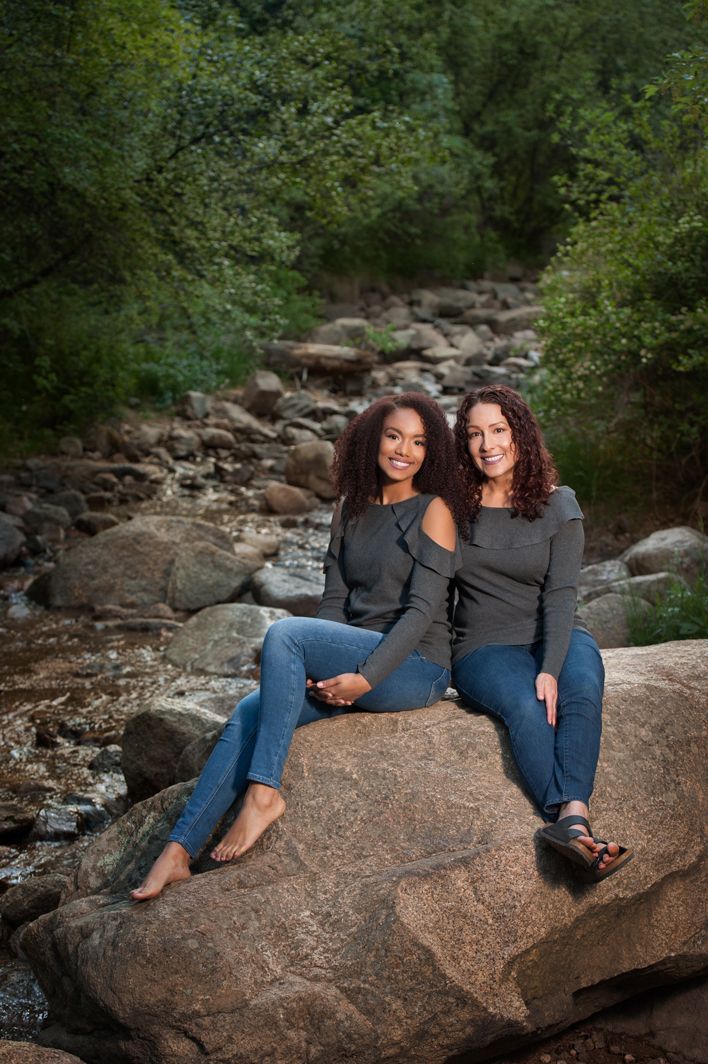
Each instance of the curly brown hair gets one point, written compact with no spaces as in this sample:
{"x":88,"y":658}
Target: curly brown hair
{"x":534,"y":472}
{"x":355,"y":470}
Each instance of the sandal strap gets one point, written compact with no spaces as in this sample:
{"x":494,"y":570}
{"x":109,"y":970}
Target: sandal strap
{"x":575,"y":818}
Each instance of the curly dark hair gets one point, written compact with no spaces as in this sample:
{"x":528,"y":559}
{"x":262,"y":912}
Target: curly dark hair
{"x":534,"y":472}
{"x":355,"y":470}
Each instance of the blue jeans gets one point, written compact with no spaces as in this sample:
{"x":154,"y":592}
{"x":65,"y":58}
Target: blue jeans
{"x":557,"y":764}
{"x":256,"y":739}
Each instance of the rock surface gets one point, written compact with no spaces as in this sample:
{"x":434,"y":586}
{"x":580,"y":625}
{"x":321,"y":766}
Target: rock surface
{"x":607,"y":618}
{"x":680,"y":550}
{"x":222,"y":639}
{"x":129,"y":565}
{"x":401,"y":909}
{"x":154,"y":739}
{"x":29,"y":1053}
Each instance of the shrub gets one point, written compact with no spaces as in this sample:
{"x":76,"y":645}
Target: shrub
{"x":680,"y":613}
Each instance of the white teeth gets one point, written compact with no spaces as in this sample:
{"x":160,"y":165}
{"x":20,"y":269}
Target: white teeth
{"x":493,"y":458}
{"x":398,"y":465}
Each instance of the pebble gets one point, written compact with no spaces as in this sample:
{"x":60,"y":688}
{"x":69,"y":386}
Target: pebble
{"x":629,"y":1059}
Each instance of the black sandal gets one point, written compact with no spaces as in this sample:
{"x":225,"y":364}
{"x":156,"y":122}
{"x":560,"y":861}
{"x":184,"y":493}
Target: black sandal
{"x":562,"y":837}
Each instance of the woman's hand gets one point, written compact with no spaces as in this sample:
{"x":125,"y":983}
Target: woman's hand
{"x":547,"y":691}
{"x":340,"y":690}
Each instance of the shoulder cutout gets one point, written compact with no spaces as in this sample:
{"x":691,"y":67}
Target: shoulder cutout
{"x":439,"y":525}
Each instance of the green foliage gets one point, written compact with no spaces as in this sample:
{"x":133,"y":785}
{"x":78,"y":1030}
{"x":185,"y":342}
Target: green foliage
{"x":626,"y":301}
{"x":176,"y":172}
{"x":680,"y":613}
{"x":382,"y":340}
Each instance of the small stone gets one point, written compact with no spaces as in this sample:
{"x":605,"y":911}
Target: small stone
{"x":62,"y":822}
{"x":71,"y":446}
{"x":196,"y":405}
{"x":287,"y":499}
{"x":629,"y":1059}
{"x":14,"y":820}
{"x":614,"y":1048}
{"x":218,"y":439}
{"x":93,"y":522}
{"x":545,"y":1058}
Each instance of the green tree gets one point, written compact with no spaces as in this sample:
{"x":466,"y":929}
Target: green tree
{"x":626,"y":318}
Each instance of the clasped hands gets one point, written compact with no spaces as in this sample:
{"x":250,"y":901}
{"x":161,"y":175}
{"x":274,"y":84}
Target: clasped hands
{"x":342,"y":690}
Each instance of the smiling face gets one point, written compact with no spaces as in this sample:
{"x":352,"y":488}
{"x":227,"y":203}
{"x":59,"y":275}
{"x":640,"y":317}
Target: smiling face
{"x":490,"y":442}
{"x":402,"y":446}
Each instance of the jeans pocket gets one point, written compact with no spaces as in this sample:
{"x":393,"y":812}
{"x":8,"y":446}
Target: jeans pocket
{"x":439,"y":687}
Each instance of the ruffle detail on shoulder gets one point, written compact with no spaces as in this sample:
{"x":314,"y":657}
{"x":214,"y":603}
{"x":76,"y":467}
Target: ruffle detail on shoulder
{"x":420,"y":546}
{"x":501,"y":530}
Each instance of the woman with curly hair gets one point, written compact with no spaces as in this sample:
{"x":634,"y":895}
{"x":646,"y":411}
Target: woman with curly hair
{"x":518,"y":652}
{"x":380,"y":640}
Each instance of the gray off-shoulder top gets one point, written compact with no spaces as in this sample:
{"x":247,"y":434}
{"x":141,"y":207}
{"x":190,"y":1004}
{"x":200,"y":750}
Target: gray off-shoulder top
{"x":519,"y":579}
{"x":385,"y":574}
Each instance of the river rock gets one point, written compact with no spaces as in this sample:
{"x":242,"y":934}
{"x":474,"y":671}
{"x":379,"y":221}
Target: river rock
{"x":29,"y":1053}
{"x":308,"y":466}
{"x":341,"y":331}
{"x":289,"y":589}
{"x":244,"y":423}
{"x":287,"y":499}
{"x":401,"y":910}
{"x":93,"y":522}
{"x":15,"y":820}
{"x":129,"y":565}
{"x":601,"y":574}
{"x":11,"y":542}
{"x":204,"y":575}
{"x":222,"y":639}
{"x":154,"y":739}
{"x":217,"y":439}
{"x":507,"y":322}
{"x":649,"y":587}
{"x":44,"y":517}
{"x":472,"y":348}
{"x":196,"y":405}
{"x":681,"y":550}
{"x":32,"y":898}
{"x":262,"y":391}
{"x":72,"y":501}
{"x":608,"y":618}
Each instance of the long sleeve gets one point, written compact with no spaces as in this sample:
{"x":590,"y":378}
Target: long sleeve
{"x":427,"y":595}
{"x":333,"y":604}
{"x":560,"y":593}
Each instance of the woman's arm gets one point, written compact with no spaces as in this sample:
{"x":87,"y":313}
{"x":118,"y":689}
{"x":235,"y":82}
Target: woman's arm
{"x":558,"y":601}
{"x":333,"y":604}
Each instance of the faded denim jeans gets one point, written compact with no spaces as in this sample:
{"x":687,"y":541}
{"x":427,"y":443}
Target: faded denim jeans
{"x":557,"y":764}
{"x":255,"y":742}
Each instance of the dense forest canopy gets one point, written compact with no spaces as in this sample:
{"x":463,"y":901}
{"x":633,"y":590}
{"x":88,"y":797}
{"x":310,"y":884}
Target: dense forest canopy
{"x":178,"y":175}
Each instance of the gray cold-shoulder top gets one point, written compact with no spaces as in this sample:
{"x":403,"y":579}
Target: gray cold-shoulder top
{"x":385,"y":574}
{"x":518,"y":581}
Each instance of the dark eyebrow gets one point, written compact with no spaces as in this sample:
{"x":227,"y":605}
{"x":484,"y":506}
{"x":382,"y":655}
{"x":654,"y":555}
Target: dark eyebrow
{"x":393,"y":428}
{"x":493,"y":424}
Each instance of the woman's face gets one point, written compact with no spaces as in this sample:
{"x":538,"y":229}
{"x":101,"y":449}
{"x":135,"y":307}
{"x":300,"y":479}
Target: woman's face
{"x":402,"y":446}
{"x":489,"y":440}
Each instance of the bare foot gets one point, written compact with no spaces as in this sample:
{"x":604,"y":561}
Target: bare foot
{"x":171,"y":865}
{"x":261,"y":807}
{"x":579,"y":808}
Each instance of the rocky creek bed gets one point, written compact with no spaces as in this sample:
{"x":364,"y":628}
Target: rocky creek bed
{"x":246,"y":473}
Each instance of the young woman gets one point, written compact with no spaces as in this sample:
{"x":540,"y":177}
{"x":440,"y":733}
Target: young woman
{"x":381,"y":638}
{"x":518,"y":653}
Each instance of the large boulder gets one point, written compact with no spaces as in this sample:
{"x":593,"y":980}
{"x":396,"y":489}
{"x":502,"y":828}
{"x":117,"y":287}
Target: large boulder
{"x":401,"y":909}
{"x":154,"y":739}
{"x":203,"y":575}
{"x":680,"y":550}
{"x":129,"y":565}
{"x":222,"y":640}
{"x":308,"y":466}
{"x":295,"y":590}
{"x":608,"y":617}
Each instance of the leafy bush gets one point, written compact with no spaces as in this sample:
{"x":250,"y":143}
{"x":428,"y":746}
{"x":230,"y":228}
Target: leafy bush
{"x":680,"y":613}
{"x":626,"y":304}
